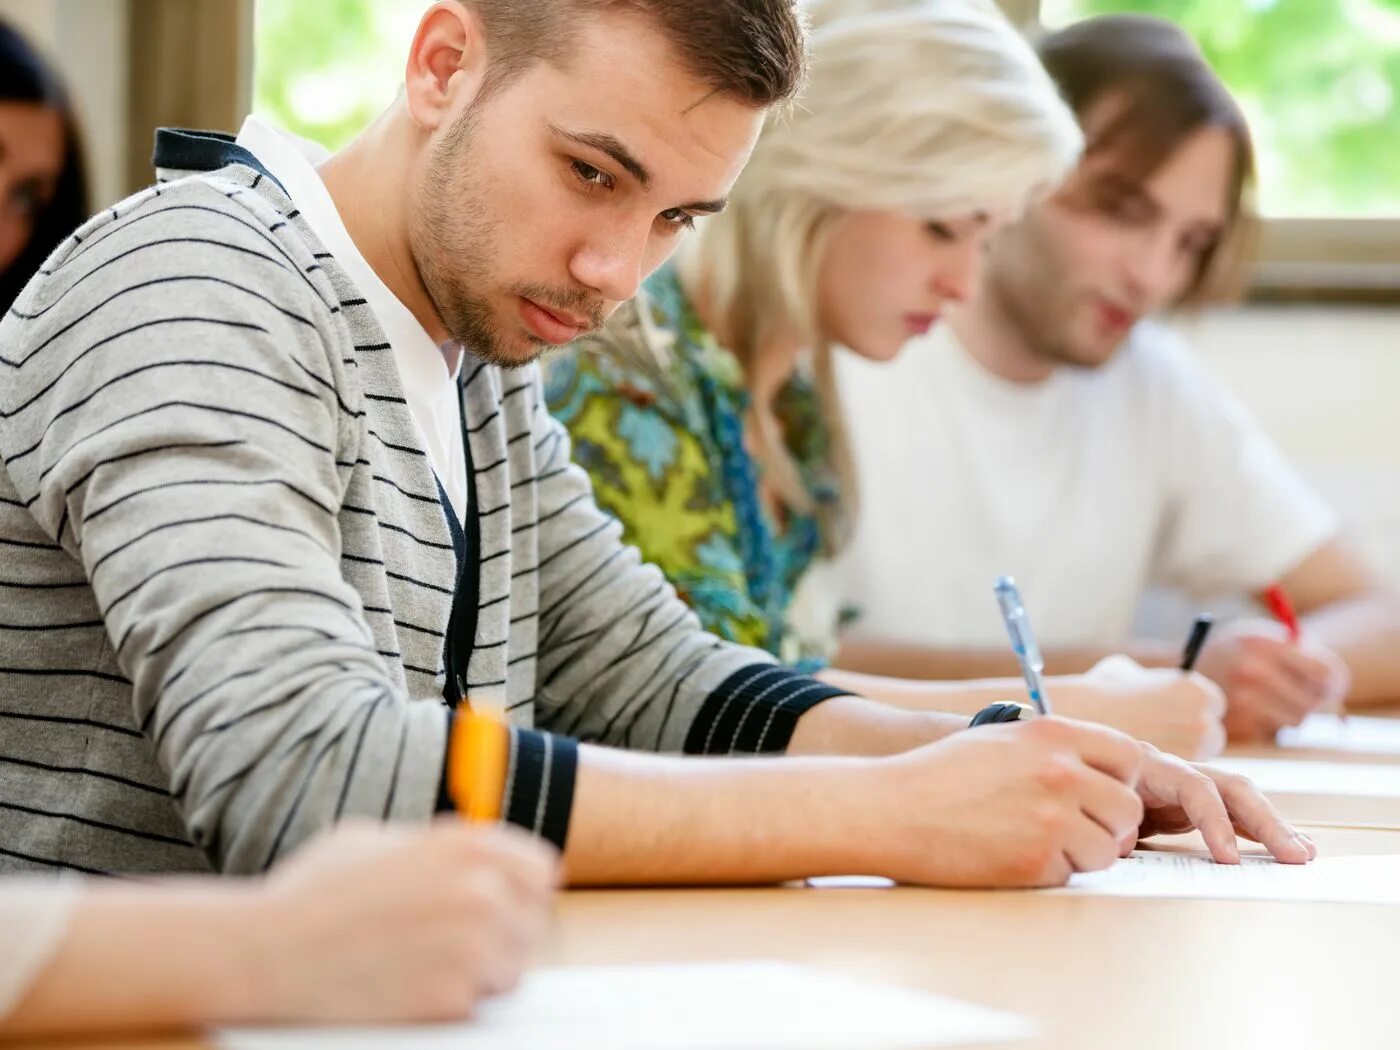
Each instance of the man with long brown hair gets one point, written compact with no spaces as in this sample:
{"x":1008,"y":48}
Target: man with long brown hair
{"x":1070,"y":440}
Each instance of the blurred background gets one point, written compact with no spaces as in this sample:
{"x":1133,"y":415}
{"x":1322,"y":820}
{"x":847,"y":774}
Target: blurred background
{"x":1314,"y":350}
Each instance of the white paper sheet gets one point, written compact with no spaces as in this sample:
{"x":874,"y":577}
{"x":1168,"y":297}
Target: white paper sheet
{"x":1283,"y":776}
{"x":850,"y":882}
{"x":701,"y":1006}
{"x":1356,"y":733}
{"x":1365,"y":879}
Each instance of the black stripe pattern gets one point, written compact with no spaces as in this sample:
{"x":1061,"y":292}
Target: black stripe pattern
{"x":227,"y":583}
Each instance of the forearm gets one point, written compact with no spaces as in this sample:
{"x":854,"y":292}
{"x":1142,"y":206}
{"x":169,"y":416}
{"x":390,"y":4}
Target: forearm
{"x":957,"y":698}
{"x":896,"y":660}
{"x":140,"y":959}
{"x":951,"y":704}
{"x":1365,"y":632}
{"x":871,"y":724}
{"x":661,"y":820}
{"x":644,"y":819}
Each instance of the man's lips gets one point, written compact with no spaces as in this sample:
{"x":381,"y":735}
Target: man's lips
{"x":1113,"y":317}
{"x":549,"y":325}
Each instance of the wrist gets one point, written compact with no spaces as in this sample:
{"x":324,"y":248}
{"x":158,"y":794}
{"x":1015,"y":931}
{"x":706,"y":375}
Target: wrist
{"x":252,"y":928}
{"x":849,"y":845}
{"x":205,"y":962}
{"x":849,"y":725}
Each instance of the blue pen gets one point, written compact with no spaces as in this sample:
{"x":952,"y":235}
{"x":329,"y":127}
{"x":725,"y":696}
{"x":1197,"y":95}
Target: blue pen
{"x":1018,"y":626}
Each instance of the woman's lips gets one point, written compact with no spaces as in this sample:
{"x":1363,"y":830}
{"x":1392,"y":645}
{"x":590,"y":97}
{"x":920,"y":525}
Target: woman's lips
{"x":918,"y":324}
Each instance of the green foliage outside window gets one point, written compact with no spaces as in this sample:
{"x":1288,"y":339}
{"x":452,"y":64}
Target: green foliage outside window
{"x":1320,"y":80}
{"x":325,"y":68}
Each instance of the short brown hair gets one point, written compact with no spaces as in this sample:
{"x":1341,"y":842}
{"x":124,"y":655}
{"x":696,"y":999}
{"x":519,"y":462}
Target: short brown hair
{"x":750,"y":50}
{"x":1169,"y":91}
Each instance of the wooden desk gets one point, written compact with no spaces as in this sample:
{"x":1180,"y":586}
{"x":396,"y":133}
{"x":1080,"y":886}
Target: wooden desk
{"x":1097,"y":974}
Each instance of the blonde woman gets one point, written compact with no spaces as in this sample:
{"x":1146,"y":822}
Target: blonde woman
{"x":705,"y":413}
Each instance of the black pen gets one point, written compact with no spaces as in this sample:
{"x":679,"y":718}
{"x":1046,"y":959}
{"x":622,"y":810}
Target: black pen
{"x":1199,"y":630}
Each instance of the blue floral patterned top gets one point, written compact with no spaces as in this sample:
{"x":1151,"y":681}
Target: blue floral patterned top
{"x":655,"y":407}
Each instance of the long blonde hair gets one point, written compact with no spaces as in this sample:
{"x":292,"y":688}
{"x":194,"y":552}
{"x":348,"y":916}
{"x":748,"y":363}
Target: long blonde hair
{"x":936,"y":108}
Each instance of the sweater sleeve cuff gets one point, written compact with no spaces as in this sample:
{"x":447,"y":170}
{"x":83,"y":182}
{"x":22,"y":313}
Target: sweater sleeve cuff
{"x":755,"y":710}
{"x":539,"y":788}
{"x":539,"y":794}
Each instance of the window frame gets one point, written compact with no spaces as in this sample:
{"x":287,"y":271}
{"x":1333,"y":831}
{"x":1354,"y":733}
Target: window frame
{"x":188,"y":65}
{"x":1323,"y":257}
{"x":1315,"y":257}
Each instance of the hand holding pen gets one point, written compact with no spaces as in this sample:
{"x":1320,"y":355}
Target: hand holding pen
{"x":1271,"y":681}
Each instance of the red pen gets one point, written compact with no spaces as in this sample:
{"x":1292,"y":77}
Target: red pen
{"x":1282,"y":608}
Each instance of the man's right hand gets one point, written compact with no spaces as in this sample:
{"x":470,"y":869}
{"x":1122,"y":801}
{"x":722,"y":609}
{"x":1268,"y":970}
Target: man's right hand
{"x":1270,"y":682}
{"x":1025,"y":804}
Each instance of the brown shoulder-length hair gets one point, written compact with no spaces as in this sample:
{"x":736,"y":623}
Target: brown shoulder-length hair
{"x":1165,"y":90}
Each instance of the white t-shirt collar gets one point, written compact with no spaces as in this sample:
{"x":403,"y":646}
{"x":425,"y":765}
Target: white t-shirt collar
{"x":429,"y":386}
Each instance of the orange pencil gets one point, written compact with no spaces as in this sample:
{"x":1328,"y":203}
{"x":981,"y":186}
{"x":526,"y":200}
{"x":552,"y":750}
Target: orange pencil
{"x":476,"y":758}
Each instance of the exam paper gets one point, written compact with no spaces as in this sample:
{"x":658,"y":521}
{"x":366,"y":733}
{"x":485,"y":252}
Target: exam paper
{"x":1370,"y":736}
{"x":1284,"y":776}
{"x":700,"y":1006}
{"x":1145,"y":873}
{"x":850,"y":882}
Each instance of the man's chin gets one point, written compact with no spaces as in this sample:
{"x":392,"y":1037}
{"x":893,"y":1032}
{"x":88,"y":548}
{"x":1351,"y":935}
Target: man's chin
{"x":522,"y":355}
{"x":518,"y":350}
{"x":1090,"y":358}
{"x":1090,"y":350}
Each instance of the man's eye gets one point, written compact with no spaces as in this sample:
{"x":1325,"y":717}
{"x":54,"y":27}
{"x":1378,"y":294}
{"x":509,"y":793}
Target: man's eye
{"x":588,"y":173}
{"x":941,"y":231}
{"x":1197,"y":246}
{"x":678,"y":218}
{"x":1124,"y":209}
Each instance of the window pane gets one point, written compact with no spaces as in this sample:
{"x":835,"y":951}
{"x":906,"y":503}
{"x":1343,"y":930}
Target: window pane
{"x":325,"y":69}
{"x":1320,"y":81}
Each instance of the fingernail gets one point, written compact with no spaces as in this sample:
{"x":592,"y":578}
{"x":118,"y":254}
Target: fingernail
{"x":1301,"y":843}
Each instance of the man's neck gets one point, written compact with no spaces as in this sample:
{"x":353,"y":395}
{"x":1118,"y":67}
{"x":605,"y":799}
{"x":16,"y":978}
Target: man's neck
{"x":377,"y":221}
{"x":994,"y":340}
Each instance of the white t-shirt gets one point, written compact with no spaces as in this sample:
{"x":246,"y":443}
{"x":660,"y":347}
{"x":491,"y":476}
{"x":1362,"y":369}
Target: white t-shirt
{"x":1089,"y":488}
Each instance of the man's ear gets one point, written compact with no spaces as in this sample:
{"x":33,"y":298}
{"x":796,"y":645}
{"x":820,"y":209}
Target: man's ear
{"x":446,"y":64}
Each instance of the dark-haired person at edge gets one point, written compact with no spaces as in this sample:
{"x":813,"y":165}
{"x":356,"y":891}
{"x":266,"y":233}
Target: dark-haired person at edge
{"x":43,"y":180}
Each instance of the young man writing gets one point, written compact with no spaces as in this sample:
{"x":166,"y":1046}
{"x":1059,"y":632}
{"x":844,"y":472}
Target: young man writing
{"x":279,"y":481}
{"x":1069,"y":440}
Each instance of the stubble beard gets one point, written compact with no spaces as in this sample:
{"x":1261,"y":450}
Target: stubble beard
{"x":453,"y":247}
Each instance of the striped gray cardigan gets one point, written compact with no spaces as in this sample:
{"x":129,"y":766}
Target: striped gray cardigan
{"x":227,"y":577}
